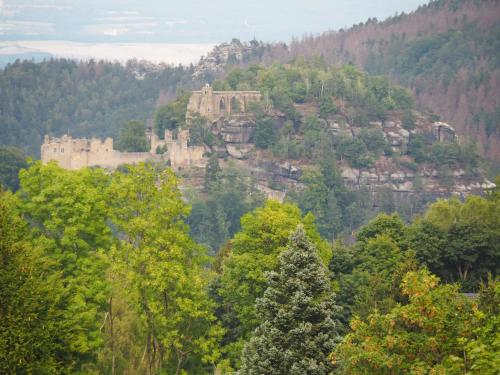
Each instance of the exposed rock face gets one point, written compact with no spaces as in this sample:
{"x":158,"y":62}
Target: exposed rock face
{"x":236,"y":131}
{"x":226,"y":53}
{"x":275,"y":177}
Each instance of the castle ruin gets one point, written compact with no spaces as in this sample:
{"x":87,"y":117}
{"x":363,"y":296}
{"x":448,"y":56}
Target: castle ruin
{"x":214,"y":105}
{"x":76,"y":153}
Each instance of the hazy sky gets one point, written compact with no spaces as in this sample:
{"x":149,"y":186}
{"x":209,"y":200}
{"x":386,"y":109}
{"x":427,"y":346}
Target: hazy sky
{"x":185,"y":21}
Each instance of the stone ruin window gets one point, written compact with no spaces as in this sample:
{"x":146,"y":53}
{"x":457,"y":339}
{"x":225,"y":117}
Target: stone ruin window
{"x":55,"y":150}
{"x":62,"y":149}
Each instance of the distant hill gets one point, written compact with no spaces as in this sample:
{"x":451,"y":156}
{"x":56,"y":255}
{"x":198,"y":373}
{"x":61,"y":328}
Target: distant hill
{"x":84,"y":99}
{"x":447,"y":52}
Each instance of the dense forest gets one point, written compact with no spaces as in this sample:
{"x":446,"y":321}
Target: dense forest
{"x":100,"y":275}
{"x":284,"y":133}
{"x":445,"y":51}
{"x":147,"y":270}
{"x":84,"y":99}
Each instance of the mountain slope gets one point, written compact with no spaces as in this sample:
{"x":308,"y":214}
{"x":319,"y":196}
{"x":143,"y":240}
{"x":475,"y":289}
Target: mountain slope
{"x":447,"y":52}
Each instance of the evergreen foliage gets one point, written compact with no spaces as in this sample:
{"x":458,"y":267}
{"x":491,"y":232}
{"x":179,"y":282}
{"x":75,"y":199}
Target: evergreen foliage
{"x":86,"y":99}
{"x":255,"y":249}
{"x":297,"y":329}
{"x":12,"y":160}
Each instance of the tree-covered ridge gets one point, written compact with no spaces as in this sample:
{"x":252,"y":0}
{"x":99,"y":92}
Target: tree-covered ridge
{"x":303,"y":81}
{"x":445,"y":51}
{"x":83,"y":98}
{"x":327,"y":120}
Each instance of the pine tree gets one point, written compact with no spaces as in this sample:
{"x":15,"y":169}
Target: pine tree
{"x":297,"y":330}
{"x":212,"y":172}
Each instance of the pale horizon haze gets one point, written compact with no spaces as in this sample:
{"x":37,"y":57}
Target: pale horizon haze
{"x":170,"y":31}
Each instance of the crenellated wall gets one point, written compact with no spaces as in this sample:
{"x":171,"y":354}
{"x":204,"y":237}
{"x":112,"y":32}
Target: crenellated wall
{"x":75,"y":153}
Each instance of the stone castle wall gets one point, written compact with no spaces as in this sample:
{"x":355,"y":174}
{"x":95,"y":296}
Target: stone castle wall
{"x":214,"y":105}
{"x":76,"y":153}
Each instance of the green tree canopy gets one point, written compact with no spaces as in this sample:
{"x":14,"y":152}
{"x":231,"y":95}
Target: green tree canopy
{"x":133,"y":137}
{"x":34,"y":336}
{"x":297,"y":329}
{"x":164,"y":270}
{"x":426,"y":335}
{"x":255,"y":249}
{"x":12,"y":160}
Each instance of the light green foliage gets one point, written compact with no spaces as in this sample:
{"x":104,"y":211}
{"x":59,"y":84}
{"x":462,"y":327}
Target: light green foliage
{"x":483,"y":350}
{"x":68,"y":212}
{"x":255,"y":250}
{"x":133,"y":137}
{"x":12,"y":160}
{"x":35,"y":338}
{"x":163,"y":270}
{"x":425,"y":336}
{"x":297,"y":328}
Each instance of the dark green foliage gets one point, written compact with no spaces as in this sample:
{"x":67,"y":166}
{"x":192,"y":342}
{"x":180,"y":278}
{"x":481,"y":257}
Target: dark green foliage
{"x":298,"y":330}
{"x":307,"y":81}
{"x":212,"y":173}
{"x":199,"y":132}
{"x":264,"y":134}
{"x":445,"y":154}
{"x":355,"y":152}
{"x":133,"y":138}
{"x":459,"y":241}
{"x":326,"y":107}
{"x":417,"y":148}
{"x":408,"y":121}
{"x":231,"y":194}
{"x":12,"y":160}
{"x":173,"y":115}
{"x":91,"y":99}
{"x":374,"y":140}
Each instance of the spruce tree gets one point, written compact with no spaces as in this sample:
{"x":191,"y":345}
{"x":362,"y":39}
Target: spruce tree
{"x":297,"y":330}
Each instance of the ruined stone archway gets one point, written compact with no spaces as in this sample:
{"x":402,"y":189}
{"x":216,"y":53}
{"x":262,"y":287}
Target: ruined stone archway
{"x":236,"y":106}
{"x":216,"y":104}
{"x":222,"y":106}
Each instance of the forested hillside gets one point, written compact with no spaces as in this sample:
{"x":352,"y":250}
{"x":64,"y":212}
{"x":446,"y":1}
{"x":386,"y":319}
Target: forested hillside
{"x":447,"y":52}
{"x":100,"y":276}
{"x":341,"y":144}
{"x":80,"y":98}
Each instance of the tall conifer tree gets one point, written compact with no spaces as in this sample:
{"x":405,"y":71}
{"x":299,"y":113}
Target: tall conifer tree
{"x":298,"y":329}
